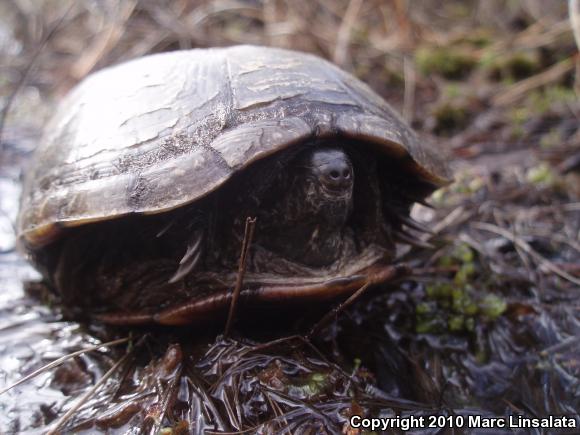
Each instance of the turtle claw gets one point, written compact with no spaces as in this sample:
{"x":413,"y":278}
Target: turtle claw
{"x":412,"y":240}
{"x":411,"y":223}
{"x":189,"y":260}
{"x":425,"y":204}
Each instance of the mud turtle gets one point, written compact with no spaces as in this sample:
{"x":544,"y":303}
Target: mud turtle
{"x":136,"y":198}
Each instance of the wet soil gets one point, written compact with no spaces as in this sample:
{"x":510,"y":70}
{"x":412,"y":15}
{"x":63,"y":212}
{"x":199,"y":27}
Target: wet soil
{"x":489,"y":324}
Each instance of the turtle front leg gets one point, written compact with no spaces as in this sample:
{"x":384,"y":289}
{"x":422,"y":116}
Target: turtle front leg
{"x":204,"y":308}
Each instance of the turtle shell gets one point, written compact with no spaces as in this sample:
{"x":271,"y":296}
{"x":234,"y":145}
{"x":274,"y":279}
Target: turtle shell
{"x":162,"y":131}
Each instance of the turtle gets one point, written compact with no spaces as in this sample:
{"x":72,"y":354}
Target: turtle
{"x":135,"y":201}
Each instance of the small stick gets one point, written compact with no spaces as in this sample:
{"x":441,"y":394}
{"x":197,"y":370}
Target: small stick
{"x":61,"y":360}
{"x":395,"y":271}
{"x":520,"y":89}
{"x":410,"y":86}
{"x":574,"y":13}
{"x":336,"y":311}
{"x":248,"y":235}
{"x":344,"y":31}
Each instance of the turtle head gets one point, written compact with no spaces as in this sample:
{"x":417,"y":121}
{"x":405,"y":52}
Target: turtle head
{"x":306,"y":218}
{"x":332,"y":169}
{"x":323,"y":180}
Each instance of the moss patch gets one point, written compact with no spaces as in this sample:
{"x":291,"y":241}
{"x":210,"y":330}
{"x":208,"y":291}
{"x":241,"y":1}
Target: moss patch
{"x":457,"y":306}
{"x":453,"y":64}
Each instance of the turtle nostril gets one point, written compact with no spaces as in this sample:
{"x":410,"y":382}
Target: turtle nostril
{"x":337,"y":176}
{"x":333,"y":169}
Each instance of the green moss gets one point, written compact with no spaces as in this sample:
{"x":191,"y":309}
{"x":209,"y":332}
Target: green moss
{"x":452,"y":90}
{"x":522,"y":65}
{"x":511,"y":67}
{"x":463,"y":253}
{"x":457,"y":306}
{"x":541,"y":101}
{"x":439,"y":290}
{"x":492,"y":306}
{"x":456,"y":323}
{"x":466,"y":182}
{"x":458,"y":311}
{"x":438,"y":197}
{"x":430,"y":325}
{"x":470,"y":324}
{"x":453,"y":64}
{"x":464,"y":274}
{"x":541,"y":174}
{"x":479,"y":38}
{"x":489,"y":60}
{"x":423,"y":308}
{"x":518,"y":117}
{"x":381,"y":71}
{"x":457,"y":9}
{"x":461,"y":301}
{"x":449,"y":117}
{"x":312,"y":386}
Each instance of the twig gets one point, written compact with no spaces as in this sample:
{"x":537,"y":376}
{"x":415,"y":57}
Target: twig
{"x":336,"y":311}
{"x":452,"y":218}
{"x":104,"y":41}
{"x":574,"y":13}
{"x":278,"y":412}
{"x":343,"y":38}
{"x":527,"y":249}
{"x":207,"y":400}
{"x":66,"y":417}
{"x":248,"y":235}
{"x":410,"y":85}
{"x":61,"y":360}
{"x":303,"y":404}
{"x":534,"y":36}
{"x":568,"y":342}
{"x":564,"y":239}
{"x":523,"y":87}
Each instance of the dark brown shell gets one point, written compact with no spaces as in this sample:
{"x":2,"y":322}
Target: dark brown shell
{"x":162,"y":131}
